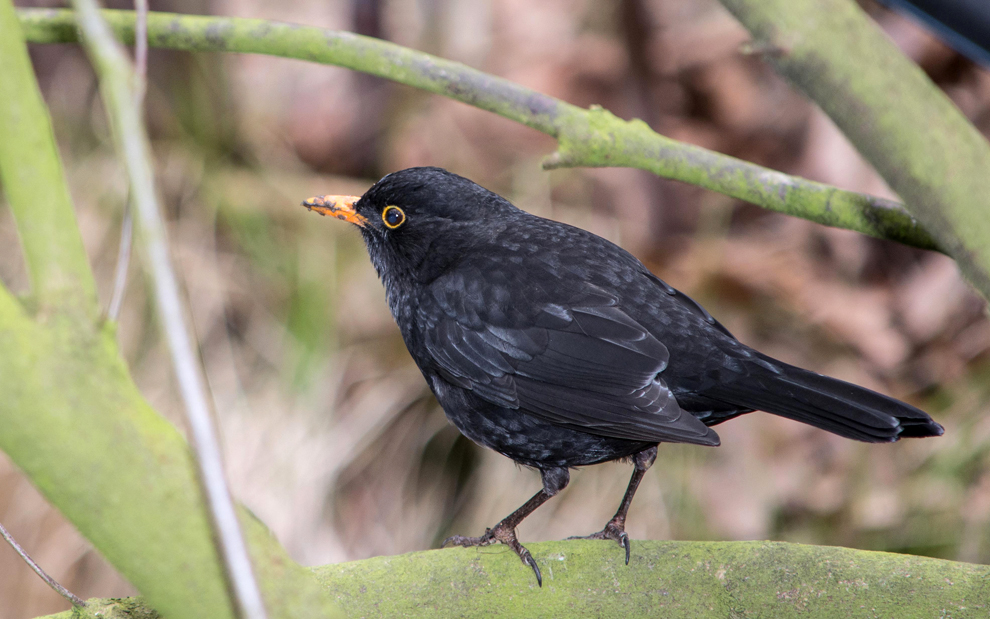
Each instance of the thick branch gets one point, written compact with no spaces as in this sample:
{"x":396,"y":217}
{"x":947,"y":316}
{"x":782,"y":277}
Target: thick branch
{"x":902,"y":123}
{"x":587,"y":137}
{"x":72,"y":419}
{"x":74,"y":422}
{"x":674,"y":580}
{"x":34,"y":183}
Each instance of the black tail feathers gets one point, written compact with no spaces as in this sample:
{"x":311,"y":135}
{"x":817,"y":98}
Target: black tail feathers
{"x":827,"y":403}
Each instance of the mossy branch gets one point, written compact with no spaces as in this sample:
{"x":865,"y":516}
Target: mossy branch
{"x":673,"y":580}
{"x":120,"y":85}
{"x":924,"y":147}
{"x":587,"y":137}
{"x":71,"y":417}
{"x":34,"y":183}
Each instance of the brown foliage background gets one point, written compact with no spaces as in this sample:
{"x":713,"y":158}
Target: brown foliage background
{"x":331,"y":436}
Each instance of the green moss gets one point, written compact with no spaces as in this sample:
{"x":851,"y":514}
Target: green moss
{"x":664,"y":579}
{"x":673,"y":580}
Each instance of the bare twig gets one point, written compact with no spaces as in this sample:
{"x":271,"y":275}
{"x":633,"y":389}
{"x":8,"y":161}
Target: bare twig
{"x":123,"y":262}
{"x":587,"y":137}
{"x":141,"y":49}
{"x":117,"y":82}
{"x":75,"y":601}
{"x":127,"y":225}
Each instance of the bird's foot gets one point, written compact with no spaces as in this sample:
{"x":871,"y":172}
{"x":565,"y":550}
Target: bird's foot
{"x":614,"y":530}
{"x":503,"y":534}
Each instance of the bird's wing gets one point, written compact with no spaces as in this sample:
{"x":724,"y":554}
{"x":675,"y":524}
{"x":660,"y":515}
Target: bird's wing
{"x":589,"y":367}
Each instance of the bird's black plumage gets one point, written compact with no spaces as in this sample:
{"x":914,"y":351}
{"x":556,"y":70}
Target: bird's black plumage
{"x":559,"y":349}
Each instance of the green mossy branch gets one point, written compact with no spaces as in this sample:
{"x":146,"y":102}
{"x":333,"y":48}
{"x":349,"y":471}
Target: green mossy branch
{"x":673,"y":580}
{"x":34,"y":184}
{"x":71,"y":417}
{"x":924,"y":147}
{"x":73,"y":421}
{"x":120,"y":85}
{"x":587,"y":137}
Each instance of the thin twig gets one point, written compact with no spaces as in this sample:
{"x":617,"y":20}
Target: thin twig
{"x":141,"y":50}
{"x":75,"y":601}
{"x":127,"y":225}
{"x":123,"y":262}
{"x":117,"y":82}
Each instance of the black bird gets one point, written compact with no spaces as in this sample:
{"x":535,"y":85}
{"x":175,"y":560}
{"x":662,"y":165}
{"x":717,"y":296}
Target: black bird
{"x":558,"y":349}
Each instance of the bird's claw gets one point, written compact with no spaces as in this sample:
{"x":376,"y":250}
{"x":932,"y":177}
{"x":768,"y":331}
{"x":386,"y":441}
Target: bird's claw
{"x":530,"y":561}
{"x":504,"y":535}
{"x":614,"y":531}
{"x":624,"y":542}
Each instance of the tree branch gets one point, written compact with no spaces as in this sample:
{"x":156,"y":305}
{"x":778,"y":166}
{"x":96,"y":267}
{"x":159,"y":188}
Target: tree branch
{"x":122,"y":87}
{"x":885,"y":104}
{"x":74,"y":422}
{"x":70,"y":415}
{"x":674,"y":580}
{"x":34,"y":183}
{"x":587,"y":137}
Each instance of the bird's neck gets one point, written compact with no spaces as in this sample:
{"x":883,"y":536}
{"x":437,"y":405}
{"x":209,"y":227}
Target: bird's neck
{"x":398,"y":277}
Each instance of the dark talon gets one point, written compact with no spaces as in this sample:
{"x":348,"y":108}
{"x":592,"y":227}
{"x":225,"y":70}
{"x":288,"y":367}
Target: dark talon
{"x":614,"y":531}
{"x":530,"y":561}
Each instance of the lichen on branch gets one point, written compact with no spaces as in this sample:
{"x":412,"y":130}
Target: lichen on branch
{"x":587,"y":137}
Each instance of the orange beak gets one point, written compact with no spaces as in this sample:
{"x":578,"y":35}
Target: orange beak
{"x":341,"y":207}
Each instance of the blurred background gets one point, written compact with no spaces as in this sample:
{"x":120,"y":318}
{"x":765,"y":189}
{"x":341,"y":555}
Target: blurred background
{"x":331,"y":436}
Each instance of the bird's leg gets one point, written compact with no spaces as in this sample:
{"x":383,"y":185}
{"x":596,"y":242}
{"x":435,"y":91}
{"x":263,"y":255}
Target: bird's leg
{"x":554,"y":480}
{"x":616,"y":527}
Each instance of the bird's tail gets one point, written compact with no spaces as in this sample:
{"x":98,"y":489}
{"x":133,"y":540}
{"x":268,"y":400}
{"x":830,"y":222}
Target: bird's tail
{"x":827,"y":403}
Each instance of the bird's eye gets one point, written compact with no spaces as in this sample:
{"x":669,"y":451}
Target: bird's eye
{"x":393,"y":217}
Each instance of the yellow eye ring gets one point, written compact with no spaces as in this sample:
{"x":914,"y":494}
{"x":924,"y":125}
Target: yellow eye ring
{"x":393,"y":217}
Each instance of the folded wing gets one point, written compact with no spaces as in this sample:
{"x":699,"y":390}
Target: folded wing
{"x":590,"y":368}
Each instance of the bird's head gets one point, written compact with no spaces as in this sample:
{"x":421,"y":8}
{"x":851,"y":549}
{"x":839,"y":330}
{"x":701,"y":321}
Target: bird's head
{"x":416,"y":221}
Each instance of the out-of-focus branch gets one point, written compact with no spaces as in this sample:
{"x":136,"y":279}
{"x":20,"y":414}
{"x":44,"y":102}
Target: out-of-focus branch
{"x":121,"y":88}
{"x":74,"y":422}
{"x":127,"y":224}
{"x":587,"y":137}
{"x":123,"y":262}
{"x":51,"y":582}
{"x":34,"y":183}
{"x":71,"y":417}
{"x":903,"y":124}
{"x":673,"y":580}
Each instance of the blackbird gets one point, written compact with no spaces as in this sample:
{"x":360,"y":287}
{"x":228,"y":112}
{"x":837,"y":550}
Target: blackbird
{"x":559,"y":349}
